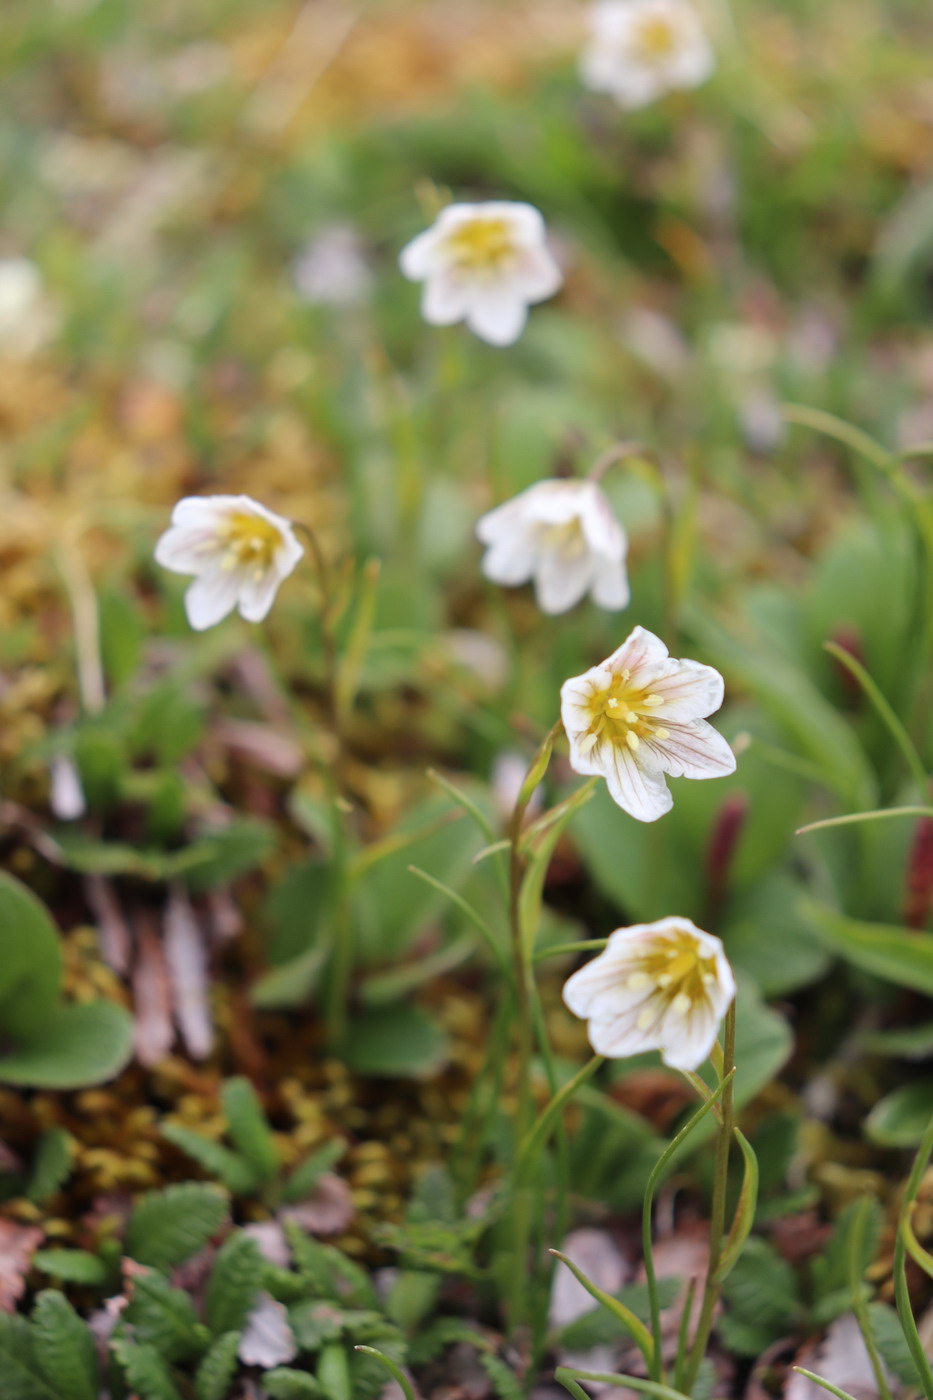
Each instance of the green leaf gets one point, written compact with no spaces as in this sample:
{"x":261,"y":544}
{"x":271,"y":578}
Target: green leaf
{"x":145,"y":1370}
{"x":831,"y":1271}
{"x":396,"y":1042}
{"x":72,"y":1047}
{"x":228,"y":1167}
{"x":215,"y":1374}
{"x":51,"y":1166}
{"x":307,"y":1174}
{"x":19,"y":1366}
{"x":30,"y":960}
{"x":761,"y":1296}
{"x":293,"y":908}
{"x":165,"y":1318}
{"x":901,"y":1118}
{"x":314,"y":1322}
{"x":767,"y":936}
{"x":170,"y":1225}
{"x":333,"y":1372}
{"x":286,"y":1384}
{"x":236,"y":850}
{"x":249,"y":1127}
{"x":899,"y":955}
{"x":65,"y":1348}
{"x":599,"y":1327}
{"x":888,"y":1336}
{"x":911,"y":1043}
{"x":292,"y":983}
{"x":88,"y":856}
{"x":72,"y":1266}
{"x":235,"y":1280}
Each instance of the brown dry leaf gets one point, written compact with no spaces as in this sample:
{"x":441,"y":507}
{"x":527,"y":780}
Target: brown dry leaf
{"x":328,"y":1210}
{"x":152,"y":997}
{"x":840,"y":1358}
{"x":186,"y":959}
{"x":684,"y":1255}
{"x":267,"y":1339}
{"x":18,"y":1243}
{"x":112,"y":927}
{"x":262,"y":745}
{"x":596,"y":1253}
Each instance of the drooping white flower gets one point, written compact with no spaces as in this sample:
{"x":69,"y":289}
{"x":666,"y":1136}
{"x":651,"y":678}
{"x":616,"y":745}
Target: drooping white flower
{"x":484,"y":264}
{"x":238,"y":551}
{"x":640,"y":714}
{"x":640,"y":49}
{"x":662,"y":986}
{"x":563,"y":535}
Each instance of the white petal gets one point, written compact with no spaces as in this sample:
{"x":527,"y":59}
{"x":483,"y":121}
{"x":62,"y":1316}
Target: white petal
{"x":511,"y":560}
{"x":537,"y":275}
{"x":693,"y":65}
{"x":423,"y":256}
{"x":686,"y":1041}
{"x":446,"y":298}
{"x":610,"y":584}
{"x":185,"y":550}
{"x":695,"y":750}
{"x":596,"y":982}
{"x":204,"y":512}
{"x":502,"y":520}
{"x":638,"y":789}
{"x":560,"y":582}
{"x":640,"y":649}
{"x":497,"y":318}
{"x":212,"y":596}
{"x":601,"y":529}
{"x":258,"y":594}
{"x":690,"y":690}
{"x":526,"y":222}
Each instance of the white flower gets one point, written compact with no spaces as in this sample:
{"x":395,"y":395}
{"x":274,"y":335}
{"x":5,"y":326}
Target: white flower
{"x":663,"y":986}
{"x":483,"y":264}
{"x":238,"y":551}
{"x":564,"y":535}
{"x":66,"y":795}
{"x":639,"y":715}
{"x":640,"y":49}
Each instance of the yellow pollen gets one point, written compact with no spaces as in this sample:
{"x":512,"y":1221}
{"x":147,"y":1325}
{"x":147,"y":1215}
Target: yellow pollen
{"x":481,"y":243}
{"x":612,"y":702}
{"x":655,"y":38}
{"x":645,"y":1017}
{"x":624,"y":713}
{"x":682,"y":1004}
{"x":632,"y":740}
{"x":660,"y":733}
{"x":638,"y":981}
{"x":251,"y":541}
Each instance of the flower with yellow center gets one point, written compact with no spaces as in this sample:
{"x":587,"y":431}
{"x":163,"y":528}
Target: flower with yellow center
{"x":640,"y":49}
{"x":640,"y":714}
{"x":483,"y":264}
{"x":564,"y":535}
{"x":663,"y":986}
{"x":238,"y":551}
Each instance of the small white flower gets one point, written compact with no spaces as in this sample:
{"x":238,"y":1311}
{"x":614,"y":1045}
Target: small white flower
{"x":663,"y":986}
{"x":563,"y":535}
{"x":27,"y":317}
{"x":484,"y":264}
{"x":640,"y":49}
{"x":238,"y":551}
{"x":640,"y":714}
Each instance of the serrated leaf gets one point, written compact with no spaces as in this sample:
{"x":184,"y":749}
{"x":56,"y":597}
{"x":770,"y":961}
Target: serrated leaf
{"x":164,"y":1317}
{"x":832,"y":1269}
{"x":761,"y":1291}
{"x":51,"y":1165}
{"x":65,"y":1348}
{"x":215,"y":1373}
{"x":19,"y":1367}
{"x":249,"y":1128}
{"x":229,"y":1167}
{"x":72,"y":1266}
{"x":170,"y":1225}
{"x":889,"y":1338}
{"x":234,"y":1283}
{"x":307,"y":1174}
{"x":145,"y":1370}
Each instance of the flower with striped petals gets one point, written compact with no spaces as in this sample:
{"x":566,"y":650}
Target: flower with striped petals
{"x":641,"y":714}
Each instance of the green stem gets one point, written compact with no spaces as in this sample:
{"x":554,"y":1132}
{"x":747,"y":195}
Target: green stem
{"x":712,"y":1287}
{"x":901,"y":1291}
{"x":523,"y":967}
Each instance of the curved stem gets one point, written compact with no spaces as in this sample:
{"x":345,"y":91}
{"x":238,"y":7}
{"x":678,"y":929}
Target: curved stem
{"x":901,"y":1291}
